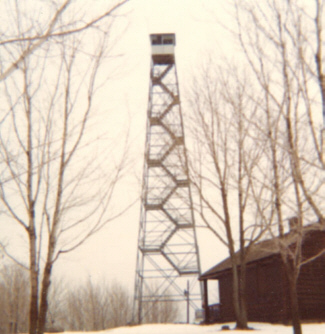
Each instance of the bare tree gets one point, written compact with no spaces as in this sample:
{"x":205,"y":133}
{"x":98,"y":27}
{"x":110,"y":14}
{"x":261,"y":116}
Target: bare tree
{"x":51,"y":186}
{"x":320,"y":71}
{"x":93,"y":306}
{"x":284,"y":54}
{"x":57,"y":300}
{"x":73,"y":311}
{"x":14,"y":299}
{"x":223,"y":167}
{"x":50,"y":29}
{"x":120,"y":305}
{"x":164,"y":310}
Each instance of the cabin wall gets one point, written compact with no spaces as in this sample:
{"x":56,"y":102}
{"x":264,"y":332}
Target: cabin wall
{"x":266,"y":291}
{"x":266,"y":294}
{"x":311,"y":282}
{"x":225,"y":295}
{"x":267,"y":287}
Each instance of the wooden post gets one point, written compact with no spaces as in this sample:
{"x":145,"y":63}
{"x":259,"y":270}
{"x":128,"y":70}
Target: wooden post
{"x":206,"y":302}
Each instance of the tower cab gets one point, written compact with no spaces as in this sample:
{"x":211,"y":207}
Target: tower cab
{"x":162,"y":48}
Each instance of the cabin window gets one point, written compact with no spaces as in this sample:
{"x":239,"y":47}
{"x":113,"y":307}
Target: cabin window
{"x":162,"y":39}
{"x":168,"y":40}
{"x":156,"y":40}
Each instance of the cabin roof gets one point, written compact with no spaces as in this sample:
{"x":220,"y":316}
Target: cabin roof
{"x":261,"y":250}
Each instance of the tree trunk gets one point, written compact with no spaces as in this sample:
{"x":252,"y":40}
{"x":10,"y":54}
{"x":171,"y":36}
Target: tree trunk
{"x":44,"y":296}
{"x":33,"y":310}
{"x":242,"y":297}
{"x":294,"y":304}
{"x":238,"y":299}
{"x":240,"y":322}
{"x":235,"y":276}
{"x":235,"y":295}
{"x":47,"y":274}
{"x":296,"y":324}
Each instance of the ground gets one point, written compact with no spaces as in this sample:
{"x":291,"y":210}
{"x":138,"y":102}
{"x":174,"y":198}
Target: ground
{"x":199,"y":329}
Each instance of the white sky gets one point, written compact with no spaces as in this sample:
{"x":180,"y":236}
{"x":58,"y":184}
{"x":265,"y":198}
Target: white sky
{"x":200,"y":31}
{"x":198,"y":25}
{"x":111,"y":255}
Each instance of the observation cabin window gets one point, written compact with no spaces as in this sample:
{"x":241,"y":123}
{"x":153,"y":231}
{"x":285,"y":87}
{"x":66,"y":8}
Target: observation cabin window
{"x":168,"y":40}
{"x":162,"y":39}
{"x":156,"y":40}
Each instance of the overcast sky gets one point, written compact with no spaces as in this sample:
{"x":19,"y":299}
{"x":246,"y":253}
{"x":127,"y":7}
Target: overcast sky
{"x":111,"y":255}
{"x":202,"y":29}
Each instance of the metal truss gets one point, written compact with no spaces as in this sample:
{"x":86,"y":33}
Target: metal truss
{"x":167,"y":262}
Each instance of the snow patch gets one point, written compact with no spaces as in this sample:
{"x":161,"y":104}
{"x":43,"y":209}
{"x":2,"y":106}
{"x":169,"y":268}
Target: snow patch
{"x":260,"y":328}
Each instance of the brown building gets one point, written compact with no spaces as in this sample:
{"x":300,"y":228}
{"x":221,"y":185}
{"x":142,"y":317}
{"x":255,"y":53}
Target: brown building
{"x":267,"y":292}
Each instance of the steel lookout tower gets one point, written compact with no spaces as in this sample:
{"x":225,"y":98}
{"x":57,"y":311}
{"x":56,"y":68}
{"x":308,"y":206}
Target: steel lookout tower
{"x":167,"y":257}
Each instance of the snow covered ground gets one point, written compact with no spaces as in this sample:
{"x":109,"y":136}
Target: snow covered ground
{"x":197,"y":329}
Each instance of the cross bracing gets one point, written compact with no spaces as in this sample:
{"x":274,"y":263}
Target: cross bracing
{"x":168,"y":260}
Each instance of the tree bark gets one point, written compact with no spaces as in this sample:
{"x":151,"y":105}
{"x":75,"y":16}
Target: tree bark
{"x":240,"y":319}
{"x":33,"y":310}
{"x":242,"y":296}
{"x":44,"y":298}
{"x":294,"y":302}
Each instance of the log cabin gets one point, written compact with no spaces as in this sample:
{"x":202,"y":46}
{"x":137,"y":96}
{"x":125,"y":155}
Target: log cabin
{"x":267,"y":293}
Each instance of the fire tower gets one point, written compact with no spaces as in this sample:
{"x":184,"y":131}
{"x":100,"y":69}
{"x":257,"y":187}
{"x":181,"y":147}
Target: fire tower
{"x":167,"y":263}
